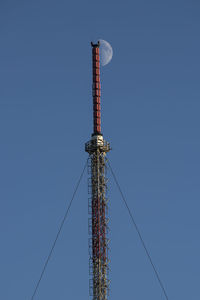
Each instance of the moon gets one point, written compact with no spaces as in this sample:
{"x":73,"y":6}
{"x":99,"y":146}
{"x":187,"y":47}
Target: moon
{"x":106,"y":52}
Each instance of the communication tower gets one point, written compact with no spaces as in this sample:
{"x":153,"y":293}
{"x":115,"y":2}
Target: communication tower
{"x":97,"y":148}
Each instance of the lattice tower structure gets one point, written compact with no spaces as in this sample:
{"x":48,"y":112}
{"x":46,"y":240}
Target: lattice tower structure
{"x":97,"y":148}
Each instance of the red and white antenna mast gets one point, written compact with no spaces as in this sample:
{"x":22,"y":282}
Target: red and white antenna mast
{"x":97,"y":148}
{"x":96,"y":89}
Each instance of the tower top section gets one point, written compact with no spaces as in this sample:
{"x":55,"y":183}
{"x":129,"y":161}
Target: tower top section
{"x":97,"y":142}
{"x":96,"y":89}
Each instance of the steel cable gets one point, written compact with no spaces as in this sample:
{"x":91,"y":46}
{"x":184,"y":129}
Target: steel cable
{"x":58,"y":233}
{"x":139,"y":234}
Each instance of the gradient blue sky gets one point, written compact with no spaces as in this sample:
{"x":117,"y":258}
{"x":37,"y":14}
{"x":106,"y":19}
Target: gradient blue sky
{"x":151,"y":108}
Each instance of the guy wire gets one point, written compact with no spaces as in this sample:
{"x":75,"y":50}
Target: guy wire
{"x":58,"y":233}
{"x":139,"y":233}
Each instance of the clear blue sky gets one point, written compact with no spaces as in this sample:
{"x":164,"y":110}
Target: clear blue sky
{"x":150,"y":104}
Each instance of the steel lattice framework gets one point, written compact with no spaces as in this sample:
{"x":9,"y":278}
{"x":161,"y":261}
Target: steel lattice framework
{"x":97,"y":148}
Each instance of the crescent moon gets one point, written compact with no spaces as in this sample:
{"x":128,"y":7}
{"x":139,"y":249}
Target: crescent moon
{"x":106,"y":52}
